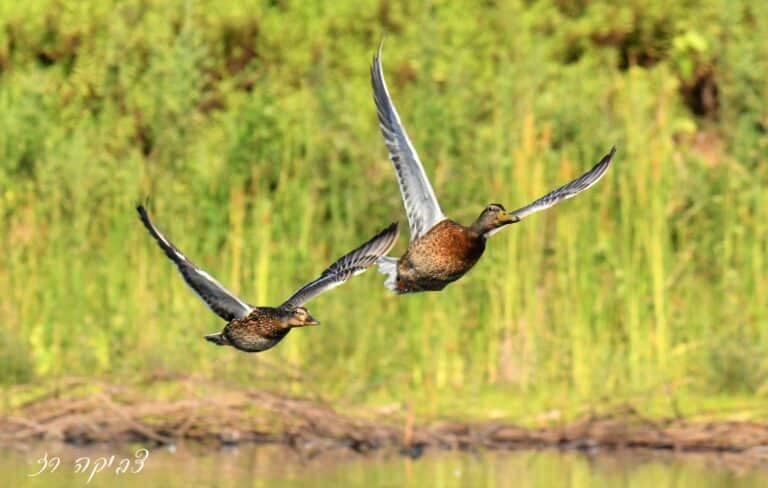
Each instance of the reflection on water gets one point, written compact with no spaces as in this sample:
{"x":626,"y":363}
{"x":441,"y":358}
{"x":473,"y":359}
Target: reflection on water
{"x":275,"y":466}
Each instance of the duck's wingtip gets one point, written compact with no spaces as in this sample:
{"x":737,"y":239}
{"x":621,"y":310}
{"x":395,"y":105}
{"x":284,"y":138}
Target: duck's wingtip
{"x":607,"y":159}
{"x":142,"y":211}
{"x":376,"y":62}
{"x":141,"y":205}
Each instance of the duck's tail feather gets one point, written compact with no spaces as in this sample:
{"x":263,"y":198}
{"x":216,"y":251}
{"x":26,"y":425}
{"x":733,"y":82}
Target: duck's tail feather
{"x":388,"y":267}
{"x":218,"y":338}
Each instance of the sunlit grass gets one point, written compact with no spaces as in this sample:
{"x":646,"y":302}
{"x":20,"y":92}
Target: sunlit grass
{"x":252,"y":132}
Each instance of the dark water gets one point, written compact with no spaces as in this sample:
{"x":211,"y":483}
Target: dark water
{"x":274,"y":466}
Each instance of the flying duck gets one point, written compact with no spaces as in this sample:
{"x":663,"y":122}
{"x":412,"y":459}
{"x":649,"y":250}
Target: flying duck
{"x":440,"y":250}
{"x":255,"y":329}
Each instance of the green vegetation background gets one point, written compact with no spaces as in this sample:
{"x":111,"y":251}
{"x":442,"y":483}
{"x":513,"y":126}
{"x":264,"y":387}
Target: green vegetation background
{"x":250,"y":126}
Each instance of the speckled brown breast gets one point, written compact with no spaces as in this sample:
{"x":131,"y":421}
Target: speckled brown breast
{"x":439,"y":257}
{"x":259,"y":331}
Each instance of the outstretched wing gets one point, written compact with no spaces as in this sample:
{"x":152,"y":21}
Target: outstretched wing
{"x":569,"y":190}
{"x":222,"y":301}
{"x":419,"y":198}
{"x":347,"y":266}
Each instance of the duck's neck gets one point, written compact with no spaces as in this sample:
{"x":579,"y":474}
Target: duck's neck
{"x":481,"y":226}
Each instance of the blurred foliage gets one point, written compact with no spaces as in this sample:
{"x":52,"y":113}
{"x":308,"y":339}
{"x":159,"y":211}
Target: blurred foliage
{"x":250,"y":128}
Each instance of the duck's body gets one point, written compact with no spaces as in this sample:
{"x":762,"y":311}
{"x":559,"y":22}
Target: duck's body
{"x":440,"y":250}
{"x":255,"y":329}
{"x":442,"y":255}
{"x":263,"y":328}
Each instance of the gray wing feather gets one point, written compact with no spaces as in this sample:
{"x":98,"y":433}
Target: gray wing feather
{"x":347,"y":266}
{"x":222,"y":301}
{"x":569,"y":190}
{"x":421,"y":205}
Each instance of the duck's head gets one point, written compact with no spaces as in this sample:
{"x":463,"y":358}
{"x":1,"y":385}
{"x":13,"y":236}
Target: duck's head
{"x":492,"y":218}
{"x":300,"y":317}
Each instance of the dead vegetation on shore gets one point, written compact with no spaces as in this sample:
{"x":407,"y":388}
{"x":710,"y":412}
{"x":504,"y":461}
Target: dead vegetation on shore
{"x":78,"y":413}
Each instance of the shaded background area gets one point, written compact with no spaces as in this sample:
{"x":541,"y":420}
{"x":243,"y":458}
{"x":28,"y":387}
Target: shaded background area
{"x":250,"y":127}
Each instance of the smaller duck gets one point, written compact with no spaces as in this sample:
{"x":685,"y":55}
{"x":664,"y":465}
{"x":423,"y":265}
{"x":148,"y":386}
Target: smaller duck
{"x":441,"y":250}
{"x":256,"y":329}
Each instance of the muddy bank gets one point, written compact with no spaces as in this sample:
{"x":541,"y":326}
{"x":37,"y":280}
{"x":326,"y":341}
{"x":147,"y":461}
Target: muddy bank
{"x":79,"y":413}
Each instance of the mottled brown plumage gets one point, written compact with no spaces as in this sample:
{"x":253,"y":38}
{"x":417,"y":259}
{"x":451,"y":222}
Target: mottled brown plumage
{"x":262,"y":328}
{"x":441,"y":250}
{"x":442,"y":255}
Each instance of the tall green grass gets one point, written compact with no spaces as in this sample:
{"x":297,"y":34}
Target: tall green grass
{"x":250,"y":128}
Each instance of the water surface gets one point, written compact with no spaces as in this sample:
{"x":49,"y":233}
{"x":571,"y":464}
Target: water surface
{"x":276,"y":466}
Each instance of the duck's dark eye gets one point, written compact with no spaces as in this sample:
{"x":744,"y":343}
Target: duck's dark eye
{"x":495,"y":207}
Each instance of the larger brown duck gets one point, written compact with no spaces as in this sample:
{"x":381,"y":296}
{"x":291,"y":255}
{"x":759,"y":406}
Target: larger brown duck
{"x":255,"y":329}
{"x":440,"y":250}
